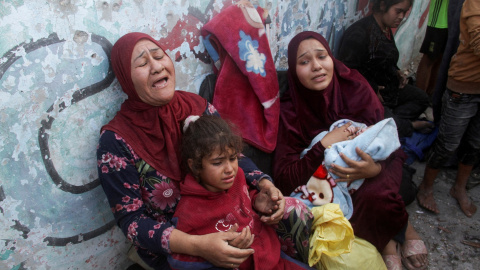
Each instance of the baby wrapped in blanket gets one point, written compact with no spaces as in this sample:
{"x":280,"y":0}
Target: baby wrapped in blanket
{"x":378,"y":141}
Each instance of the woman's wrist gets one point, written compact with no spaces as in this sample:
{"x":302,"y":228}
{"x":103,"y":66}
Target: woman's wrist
{"x":325,"y":143}
{"x":378,"y":166}
{"x":181,"y":242}
{"x":264,"y":183}
{"x":195,"y":243}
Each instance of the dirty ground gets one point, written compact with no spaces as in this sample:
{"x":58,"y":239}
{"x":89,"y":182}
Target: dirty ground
{"x":452,"y":238}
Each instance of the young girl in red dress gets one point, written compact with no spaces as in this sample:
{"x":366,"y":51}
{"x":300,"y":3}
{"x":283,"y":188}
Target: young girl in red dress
{"x":216,"y":198}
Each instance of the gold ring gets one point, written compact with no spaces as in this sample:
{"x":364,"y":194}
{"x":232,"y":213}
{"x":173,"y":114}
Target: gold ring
{"x":348,"y":176}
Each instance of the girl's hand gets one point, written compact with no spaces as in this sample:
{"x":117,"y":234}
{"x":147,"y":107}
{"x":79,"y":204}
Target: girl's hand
{"x":214,"y":247}
{"x":277,"y":200}
{"x":364,"y":168}
{"x":244,"y":239}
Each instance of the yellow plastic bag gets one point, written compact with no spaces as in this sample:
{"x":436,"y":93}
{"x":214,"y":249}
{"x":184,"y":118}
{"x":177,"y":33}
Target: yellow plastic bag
{"x":331,"y":234}
{"x":363,"y":256}
{"x":334,"y":246}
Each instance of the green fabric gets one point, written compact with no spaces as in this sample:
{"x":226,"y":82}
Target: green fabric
{"x":437,"y":14}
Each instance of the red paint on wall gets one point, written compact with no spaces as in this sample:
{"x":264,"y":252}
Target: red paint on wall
{"x":186,"y":30}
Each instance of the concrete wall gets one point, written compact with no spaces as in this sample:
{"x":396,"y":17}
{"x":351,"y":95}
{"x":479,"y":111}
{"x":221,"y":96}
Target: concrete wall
{"x":57,"y":89}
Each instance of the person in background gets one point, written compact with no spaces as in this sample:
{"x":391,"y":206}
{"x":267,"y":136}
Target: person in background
{"x":460,"y":121}
{"x":369,"y":46}
{"x":433,"y":45}
{"x":139,"y":162}
{"x":215,"y":197}
{"x":321,"y":91}
{"x":454,"y":10}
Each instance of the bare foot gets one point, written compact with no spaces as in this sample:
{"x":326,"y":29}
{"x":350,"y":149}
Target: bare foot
{"x":425,"y":199}
{"x":464,"y":201}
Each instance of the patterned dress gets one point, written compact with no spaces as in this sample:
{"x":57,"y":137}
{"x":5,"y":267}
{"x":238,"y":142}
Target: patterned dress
{"x":143,"y":200}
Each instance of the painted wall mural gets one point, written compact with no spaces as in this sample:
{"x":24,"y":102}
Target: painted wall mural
{"x":57,"y":89}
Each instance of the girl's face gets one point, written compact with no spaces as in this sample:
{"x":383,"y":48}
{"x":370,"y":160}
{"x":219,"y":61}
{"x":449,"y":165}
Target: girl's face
{"x":153,"y":73}
{"x":219,"y":170}
{"x":395,"y":14}
{"x":314,"y":65}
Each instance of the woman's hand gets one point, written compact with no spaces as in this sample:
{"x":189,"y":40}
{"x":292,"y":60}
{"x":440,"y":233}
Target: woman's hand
{"x":275,"y":195}
{"x":244,"y":239}
{"x":213,"y":247}
{"x":402,"y":78}
{"x":340,"y":134}
{"x":264,"y":205}
{"x":364,"y":168}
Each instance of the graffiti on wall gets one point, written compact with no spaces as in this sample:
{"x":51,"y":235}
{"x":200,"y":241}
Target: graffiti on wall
{"x":57,"y":89}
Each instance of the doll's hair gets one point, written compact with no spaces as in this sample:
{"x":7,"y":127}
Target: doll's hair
{"x":376,"y":7}
{"x":202,"y":137}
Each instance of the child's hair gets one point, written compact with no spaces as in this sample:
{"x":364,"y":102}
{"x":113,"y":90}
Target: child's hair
{"x":202,"y":137}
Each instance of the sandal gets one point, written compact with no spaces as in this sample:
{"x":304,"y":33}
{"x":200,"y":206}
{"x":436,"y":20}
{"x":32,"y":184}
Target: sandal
{"x":393,"y":262}
{"x":411,"y":248}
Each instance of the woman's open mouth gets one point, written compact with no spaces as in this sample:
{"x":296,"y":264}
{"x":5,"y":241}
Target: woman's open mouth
{"x":319,"y":78}
{"x":160,"y":83}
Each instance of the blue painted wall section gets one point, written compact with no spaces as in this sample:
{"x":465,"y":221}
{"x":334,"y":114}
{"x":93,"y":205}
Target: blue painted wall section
{"x":57,"y":89}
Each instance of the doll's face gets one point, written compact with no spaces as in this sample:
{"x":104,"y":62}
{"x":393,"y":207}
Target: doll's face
{"x":322,"y":189}
{"x":314,"y":65}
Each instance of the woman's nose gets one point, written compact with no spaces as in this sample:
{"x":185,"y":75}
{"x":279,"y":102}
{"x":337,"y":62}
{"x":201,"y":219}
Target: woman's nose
{"x":316,"y":64}
{"x":157,"y":66}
